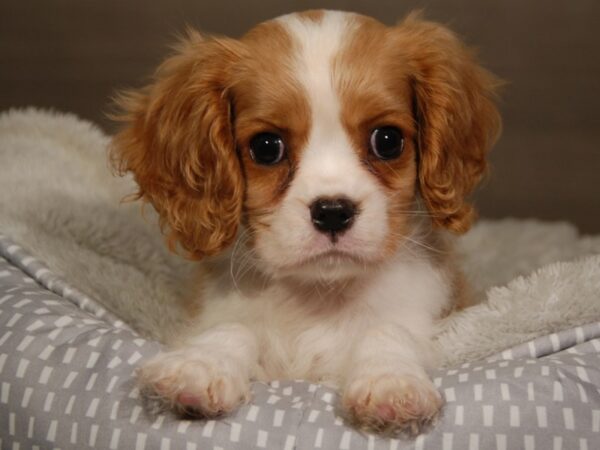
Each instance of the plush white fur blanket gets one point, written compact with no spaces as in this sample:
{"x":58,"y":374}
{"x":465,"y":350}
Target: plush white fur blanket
{"x":59,"y":200}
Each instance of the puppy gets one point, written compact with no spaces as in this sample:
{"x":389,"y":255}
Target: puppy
{"x":316,"y":166}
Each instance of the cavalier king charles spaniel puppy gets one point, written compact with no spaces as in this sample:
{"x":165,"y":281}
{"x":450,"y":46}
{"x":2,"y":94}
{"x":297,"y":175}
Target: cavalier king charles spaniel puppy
{"x":318,"y":167}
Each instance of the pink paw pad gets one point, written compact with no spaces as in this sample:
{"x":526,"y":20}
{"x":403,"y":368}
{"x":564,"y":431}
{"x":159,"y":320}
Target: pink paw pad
{"x":187,"y":399}
{"x":386,"y":412}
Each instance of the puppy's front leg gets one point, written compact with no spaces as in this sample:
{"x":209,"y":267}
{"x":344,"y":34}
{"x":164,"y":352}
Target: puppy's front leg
{"x":387,"y":389}
{"x":208,"y":375}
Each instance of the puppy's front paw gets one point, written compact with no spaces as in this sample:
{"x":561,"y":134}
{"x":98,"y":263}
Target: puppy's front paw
{"x":392,"y":403}
{"x":198,"y":385}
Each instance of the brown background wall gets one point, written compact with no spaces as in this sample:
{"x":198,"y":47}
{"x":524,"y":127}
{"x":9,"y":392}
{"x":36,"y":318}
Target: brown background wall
{"x":72,"y":55}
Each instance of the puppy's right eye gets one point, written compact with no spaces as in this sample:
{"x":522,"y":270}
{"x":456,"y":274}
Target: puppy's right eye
{"x":267,"y":148}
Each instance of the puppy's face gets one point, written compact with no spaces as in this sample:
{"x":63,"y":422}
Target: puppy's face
{"x":326,"y":136}
{"x":315,"y":131}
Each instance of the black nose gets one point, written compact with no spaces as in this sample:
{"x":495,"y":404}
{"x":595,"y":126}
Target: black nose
{"x":332,"y":215}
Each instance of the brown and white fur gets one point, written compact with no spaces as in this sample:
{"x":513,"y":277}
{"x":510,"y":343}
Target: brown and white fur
{"x":277,"y":298}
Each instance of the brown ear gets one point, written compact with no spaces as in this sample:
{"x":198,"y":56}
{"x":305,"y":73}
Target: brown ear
{"x":178,"y":144}
{"x":457,"y":119}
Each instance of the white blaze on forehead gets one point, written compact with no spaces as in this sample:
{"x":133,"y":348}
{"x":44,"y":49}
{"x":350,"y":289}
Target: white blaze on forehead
{"x":329,"y":165}
{"x":319,"y":42}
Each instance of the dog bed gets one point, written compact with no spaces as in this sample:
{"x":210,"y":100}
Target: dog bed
{"x":521,"y":369}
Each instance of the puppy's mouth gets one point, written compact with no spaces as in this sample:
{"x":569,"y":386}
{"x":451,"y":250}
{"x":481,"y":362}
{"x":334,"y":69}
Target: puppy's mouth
{"x":330,"y":258}
{"x":327,"y":265}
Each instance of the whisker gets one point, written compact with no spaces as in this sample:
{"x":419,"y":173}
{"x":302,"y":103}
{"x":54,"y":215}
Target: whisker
{"x":428,"y":247}
{"x":244,"y":259}
{"x":250,"y":264}
{"x":232,"y":260}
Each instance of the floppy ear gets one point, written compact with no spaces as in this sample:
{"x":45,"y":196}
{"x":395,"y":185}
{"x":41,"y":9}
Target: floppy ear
{"x":457,"y":119}
{"x":177,"y":142}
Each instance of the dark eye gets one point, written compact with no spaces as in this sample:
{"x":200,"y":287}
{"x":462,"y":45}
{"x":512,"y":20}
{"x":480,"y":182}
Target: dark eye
{"x":267,"y":148}
{"x":386,"y":142}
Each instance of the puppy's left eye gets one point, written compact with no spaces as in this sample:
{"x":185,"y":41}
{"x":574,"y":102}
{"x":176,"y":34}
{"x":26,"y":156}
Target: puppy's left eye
{"x":386,"y":142}
{"x":267,"y":148}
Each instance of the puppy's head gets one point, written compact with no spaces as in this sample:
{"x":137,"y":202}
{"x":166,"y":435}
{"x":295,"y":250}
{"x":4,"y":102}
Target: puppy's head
{"x":314,"y":134}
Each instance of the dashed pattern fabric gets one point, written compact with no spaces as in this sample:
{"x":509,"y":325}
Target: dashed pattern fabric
{"x":66,"y":381}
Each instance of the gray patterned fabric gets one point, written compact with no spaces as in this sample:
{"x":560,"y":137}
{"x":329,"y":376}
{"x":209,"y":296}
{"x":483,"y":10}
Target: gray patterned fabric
{"x":66,"y":382}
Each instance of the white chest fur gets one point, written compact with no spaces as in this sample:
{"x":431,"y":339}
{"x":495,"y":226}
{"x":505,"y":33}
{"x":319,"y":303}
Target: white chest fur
{"x":312,"y":332}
